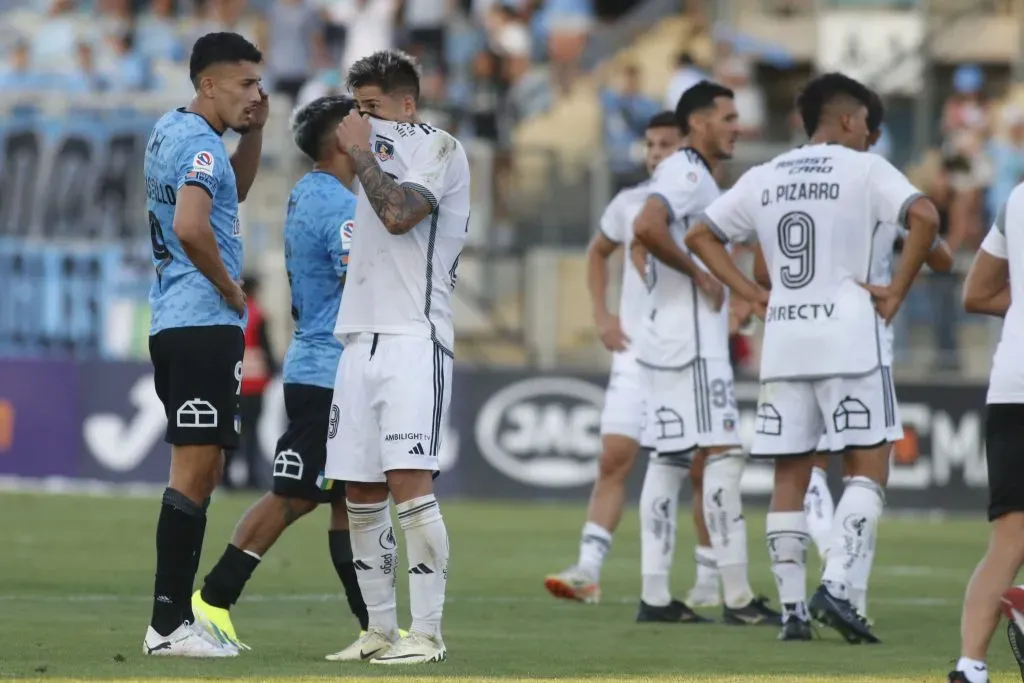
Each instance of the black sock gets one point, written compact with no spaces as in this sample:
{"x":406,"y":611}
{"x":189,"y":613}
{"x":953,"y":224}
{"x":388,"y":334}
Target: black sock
{"x":226,"y":580}
{"x":341,"y":555}
{"x":177,"y":531}
{"x":199,"y":552}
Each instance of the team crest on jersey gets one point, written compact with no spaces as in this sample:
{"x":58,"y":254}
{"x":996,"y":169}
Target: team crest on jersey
{"x":346,"y":240}
{"x":202,"y":162}
{"x":691,"y":176}
{"x":384,"y":150}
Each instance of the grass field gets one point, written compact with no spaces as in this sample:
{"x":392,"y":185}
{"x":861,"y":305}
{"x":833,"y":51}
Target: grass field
{"x":76,"y":573}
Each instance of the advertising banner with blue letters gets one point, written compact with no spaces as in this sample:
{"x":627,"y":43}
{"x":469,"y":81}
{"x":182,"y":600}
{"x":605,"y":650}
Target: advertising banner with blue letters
{"x":510,"y":435}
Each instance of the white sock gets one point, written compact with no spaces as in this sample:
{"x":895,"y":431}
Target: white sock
{"x":860,"y":572}
{"x":974,"y":669}
{"x":723,"y":514}
{"x":855,"y":519}
{"x":819,"y":508}
{"x":426,"y":541}
{"x":659,"y":500}
{"x":595,"y":542}
{"x":376,"y":566}
{"x":787,"y":537}
{"x":707,"y":566}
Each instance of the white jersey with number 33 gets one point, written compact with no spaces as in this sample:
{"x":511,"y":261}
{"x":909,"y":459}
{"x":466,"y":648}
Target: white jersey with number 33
{"x":815,"y":210}
{"x":402,"y":284}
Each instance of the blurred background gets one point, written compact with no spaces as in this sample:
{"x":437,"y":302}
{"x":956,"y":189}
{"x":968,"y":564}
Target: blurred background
{"x":550,"y":98}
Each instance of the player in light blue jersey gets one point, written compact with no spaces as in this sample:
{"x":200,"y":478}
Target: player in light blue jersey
{"x":196,"y":341}
{"x":317,"y":233}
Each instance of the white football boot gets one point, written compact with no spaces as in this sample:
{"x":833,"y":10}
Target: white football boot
{"x":415,"y":648}
{"x":574,"y":584}
{"x":371,"y":643}
{"x":188,"y":640}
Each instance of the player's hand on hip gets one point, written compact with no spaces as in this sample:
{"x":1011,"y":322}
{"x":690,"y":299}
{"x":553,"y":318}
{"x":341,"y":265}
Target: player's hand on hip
{"x":610,"y":330}
{"x":354,"y":131}
{"x":759,"y":305}
{"x":712,"y":289}
{"x":261,"y":112}
{"x":887,"y":301}
{"x":236,"y":299}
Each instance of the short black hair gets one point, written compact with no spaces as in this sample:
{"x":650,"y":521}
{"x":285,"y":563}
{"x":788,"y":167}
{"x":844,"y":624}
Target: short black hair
{"x":876,"y":113}
{"x":313,"y":122}
{"x":697,"y":98}
{"x":390,"y":70}
{"x":663,"y":119}
{"x":824,"y":90}
{"x":220,"y":48}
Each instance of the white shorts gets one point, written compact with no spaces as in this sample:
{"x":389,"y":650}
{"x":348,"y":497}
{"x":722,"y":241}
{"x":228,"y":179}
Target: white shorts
{"x":391,"y":397}
{"x":691,"y":408}
{"x":852,"y":412}
{"x":623,"y":413}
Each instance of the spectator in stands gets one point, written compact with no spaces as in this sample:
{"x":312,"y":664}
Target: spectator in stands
{"x":568,"y":24}
{"x":55,"y":40}
{"x":17,"y":75}
{"x":966,"y":109}
{"x":130,"y":71}
{"x":424,"y":22}
{"x":86,"y":77}
{"x":627,"y":110}
{"x":509,"y":40}
{"x":372,"y":28}
{"x":1006,"y":152}
{"x":737,"y":72}
{"x":686,"y":75}
{"x":337,"y":15}
{"x":295,"y":47}
{"x":157,"y":32}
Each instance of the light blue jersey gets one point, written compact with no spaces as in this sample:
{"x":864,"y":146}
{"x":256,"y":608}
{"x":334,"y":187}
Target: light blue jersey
{"x":317,"y":235}
{"x":184,"y":149}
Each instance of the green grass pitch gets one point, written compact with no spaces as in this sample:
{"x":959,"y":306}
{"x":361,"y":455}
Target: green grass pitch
{"x":76,"y":573}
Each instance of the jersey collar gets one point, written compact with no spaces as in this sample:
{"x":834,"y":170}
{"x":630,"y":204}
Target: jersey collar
{"x":699,"y":156}
{"x":183,"y":110}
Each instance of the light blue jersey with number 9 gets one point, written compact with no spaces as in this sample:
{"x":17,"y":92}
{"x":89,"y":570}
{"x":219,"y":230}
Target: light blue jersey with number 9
{"x":184,"y":149}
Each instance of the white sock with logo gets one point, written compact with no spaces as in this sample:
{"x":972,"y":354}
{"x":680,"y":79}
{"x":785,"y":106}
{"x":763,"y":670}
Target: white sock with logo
{"x":426,"y":541}
{"x":659,"y":501}
{"x":723,"y":514}
{"x":376,"y":565}
{"x":595,"y":542}
{"x":855,"y":519}
{"x":974,"y":669}
{"x":707,"y":566}
{"x":860,"y":572}
{"x":787,"y":537}
{"x":820,"y":508}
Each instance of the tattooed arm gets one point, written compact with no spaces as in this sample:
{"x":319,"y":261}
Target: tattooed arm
{"x":399,"y":207}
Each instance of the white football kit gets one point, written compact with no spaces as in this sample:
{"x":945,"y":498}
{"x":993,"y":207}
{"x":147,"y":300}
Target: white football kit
{"x":683,"y":348}
{"x":1006,"y":380}
{"x":393,"y":386}
{"x":623,"y":412}
{"x":815,"y":210}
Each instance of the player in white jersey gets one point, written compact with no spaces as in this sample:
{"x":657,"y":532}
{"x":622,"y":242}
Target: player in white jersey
{"x":683,"y":350}
{"x":995,"y":286}
{"x":815,"y":210}
{"x":818,"y":503}
{"x":623,"y":415}
{"x":393,"y":386}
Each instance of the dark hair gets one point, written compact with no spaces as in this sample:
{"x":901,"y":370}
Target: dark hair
{"x":697,"y":98}
{"x":663,"y":119}
{"x":312,"y":123}
{"x":822,"y":91}
{"x":390,"y":70}
{"x":220,"y":48}
{"x":876,"y":113}
{"x":684,"y":59}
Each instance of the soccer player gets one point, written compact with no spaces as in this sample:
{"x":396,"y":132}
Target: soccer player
{"x":317,"y":233}
{"x":815,"y":210}
{"x":995,"y":286}
{"x":818,"y":502}
{"x":623,"y":415}
{"x":393,"y":387}
{"x":198,"y":310}
{"x":684,"y":352}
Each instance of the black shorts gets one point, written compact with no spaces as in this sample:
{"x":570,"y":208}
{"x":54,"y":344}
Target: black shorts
{"x":301,"y":451}
{"x":198,"y":376}
{"x":1004,"y":452}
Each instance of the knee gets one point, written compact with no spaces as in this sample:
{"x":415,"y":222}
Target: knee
{"x":1008,"y":536}
{"x":724,"y":469}
{"x":294,"y":508}
{"x":362,"y":493}
{"x":405,"y":485}
{"x":616,"y":461}
{"x":792,"y":477}
{"x":196,"y":471}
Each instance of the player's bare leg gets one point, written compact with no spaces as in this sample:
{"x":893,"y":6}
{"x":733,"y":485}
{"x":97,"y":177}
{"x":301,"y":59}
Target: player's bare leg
{"x":582,"y":581}
{"x":706,"y":591}
{"x":819,"y":506}
{"x":195,"y":472}
{"x":855,"y":521}
{"x":727,"y":529}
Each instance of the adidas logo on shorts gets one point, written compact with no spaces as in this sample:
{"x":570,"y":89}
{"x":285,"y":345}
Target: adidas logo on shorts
{"x":417,"y":450}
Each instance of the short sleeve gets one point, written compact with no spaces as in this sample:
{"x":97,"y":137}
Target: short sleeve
{"x":891,"y":192}
{"x":995,"y":241}
{"x":200,"y":163}
{"x":338,"y":228}
{"x":428,"y":166}
{"x":612,"y":222}
{"x":675,"y":184}
{"x":730,"y":217}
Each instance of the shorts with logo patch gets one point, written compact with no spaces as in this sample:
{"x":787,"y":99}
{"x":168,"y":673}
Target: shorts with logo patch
{"x":852,"y":412}
{"x":1004,"y":453}
{"x":392,"y":394}
{"x":623,"y":412}
{"x":691,"y":408}
{"x":198,"y":376}
{"x":301,"y":452}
